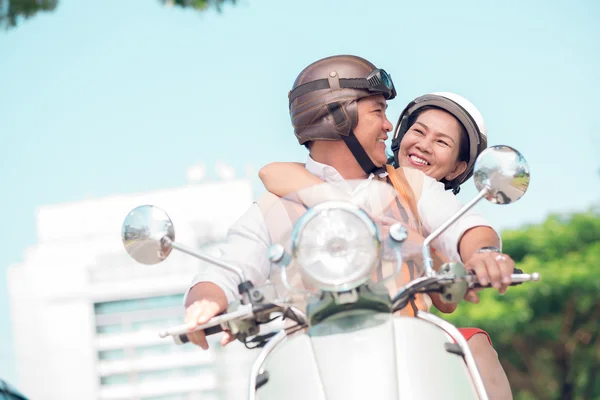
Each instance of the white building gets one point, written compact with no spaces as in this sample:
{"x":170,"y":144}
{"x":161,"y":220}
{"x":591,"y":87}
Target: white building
{"x":86,"y":316}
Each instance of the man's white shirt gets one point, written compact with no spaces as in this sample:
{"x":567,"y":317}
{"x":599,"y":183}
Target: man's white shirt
{"x":248,"y":239}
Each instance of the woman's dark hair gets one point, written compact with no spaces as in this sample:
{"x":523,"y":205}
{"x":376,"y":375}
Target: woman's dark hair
{"x":463,"y":150}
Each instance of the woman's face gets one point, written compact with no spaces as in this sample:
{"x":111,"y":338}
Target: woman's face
{"x":432,"y":145}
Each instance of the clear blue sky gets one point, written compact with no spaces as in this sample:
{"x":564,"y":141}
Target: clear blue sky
{"x":106,"y":97}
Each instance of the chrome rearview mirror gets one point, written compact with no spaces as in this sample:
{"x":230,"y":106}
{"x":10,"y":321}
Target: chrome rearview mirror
{"x":504,"y":171}
{"x":149,"y":236}
{"x":144,"y":231}
{"x":501,"y":175}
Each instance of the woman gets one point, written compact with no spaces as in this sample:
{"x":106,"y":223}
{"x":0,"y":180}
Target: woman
{"x":440,"y":134}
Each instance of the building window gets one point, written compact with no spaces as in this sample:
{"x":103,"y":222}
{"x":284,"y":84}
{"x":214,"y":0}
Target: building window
{"x":144,"y":351}
{"x":118,"y":379}
{"x":195,"y":370}
{"x":152,"y":313}
{"x":148,"y":303}
{"x":158,"y":375}
{"x":182,"y":372}
{"x":118,"y":354}
{"x":130,"y":353}
{"x":178,"y":396}
{"x":110,"y":329}
{"x":207,"y":395}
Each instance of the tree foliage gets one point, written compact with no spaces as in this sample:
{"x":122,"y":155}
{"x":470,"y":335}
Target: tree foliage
{"x":13,"y":11}
{"x":198,"y":4}
{"x":546,"y":333}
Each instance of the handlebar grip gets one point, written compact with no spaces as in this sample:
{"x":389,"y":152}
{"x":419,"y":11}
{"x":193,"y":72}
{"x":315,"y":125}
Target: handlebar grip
{"x":515,"y":271}
{"x":183,"y":338}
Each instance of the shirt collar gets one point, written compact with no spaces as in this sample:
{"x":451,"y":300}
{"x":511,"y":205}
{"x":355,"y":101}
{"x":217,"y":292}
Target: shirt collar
{"x":329,"y":174}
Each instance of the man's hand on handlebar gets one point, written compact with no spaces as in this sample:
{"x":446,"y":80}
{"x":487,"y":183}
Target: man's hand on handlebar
{"x":204,"y":301}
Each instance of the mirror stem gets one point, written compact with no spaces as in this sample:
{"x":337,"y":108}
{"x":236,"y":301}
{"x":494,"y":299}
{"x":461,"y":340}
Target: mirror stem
{"x":169,"y":243}
{"x":427,"y":260}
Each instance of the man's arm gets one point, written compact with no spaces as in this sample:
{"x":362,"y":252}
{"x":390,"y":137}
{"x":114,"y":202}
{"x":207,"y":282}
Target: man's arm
{"x":471,"y":241}
{"x":212,"y":289}
{"x":475,"y":239}
{"x":491,"y":267}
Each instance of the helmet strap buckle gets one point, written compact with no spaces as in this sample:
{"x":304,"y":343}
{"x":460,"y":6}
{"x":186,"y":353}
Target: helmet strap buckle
{"x":334,"y":80}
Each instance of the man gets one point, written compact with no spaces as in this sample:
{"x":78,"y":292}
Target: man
{"x":338,"y":110}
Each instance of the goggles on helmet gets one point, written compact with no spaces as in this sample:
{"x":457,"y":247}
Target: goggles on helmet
{"x":377,"y":82}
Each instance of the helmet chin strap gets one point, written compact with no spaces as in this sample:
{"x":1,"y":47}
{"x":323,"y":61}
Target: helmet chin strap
{"x":395,"y":150}
{"x":359,"y":153}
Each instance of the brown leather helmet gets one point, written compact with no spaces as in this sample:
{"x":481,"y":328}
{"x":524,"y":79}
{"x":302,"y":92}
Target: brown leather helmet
{"x":323,"y":100}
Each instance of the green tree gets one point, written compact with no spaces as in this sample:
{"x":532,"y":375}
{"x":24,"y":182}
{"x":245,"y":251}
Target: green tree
{"x":198,"y":4}
{"x":12,"y":11}
{"x":546,"y":333}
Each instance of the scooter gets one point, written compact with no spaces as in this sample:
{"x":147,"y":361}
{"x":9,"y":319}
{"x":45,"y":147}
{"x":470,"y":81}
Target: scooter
{"x":337,"y":251}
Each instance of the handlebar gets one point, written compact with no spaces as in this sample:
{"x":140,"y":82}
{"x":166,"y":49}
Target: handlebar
{"x":215,"y":325}
{"x":517,"y":278}
{"x":246,"y":311}
{"x":183,"y":337}
{"x":435,"y":283}
{"x":221,"y":322}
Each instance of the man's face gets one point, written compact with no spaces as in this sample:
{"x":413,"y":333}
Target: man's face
{"x":372,"y":128}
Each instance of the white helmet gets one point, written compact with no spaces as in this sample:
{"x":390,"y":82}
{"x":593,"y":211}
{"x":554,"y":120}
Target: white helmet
{"x":463,"y":110}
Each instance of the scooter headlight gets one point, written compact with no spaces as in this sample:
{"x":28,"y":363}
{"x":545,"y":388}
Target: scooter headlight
{"x":336,"y":245}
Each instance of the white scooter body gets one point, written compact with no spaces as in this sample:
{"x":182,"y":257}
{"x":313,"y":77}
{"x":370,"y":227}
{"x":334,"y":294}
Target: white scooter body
{"x":396,"y":358}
